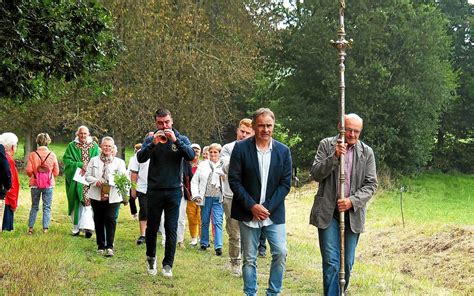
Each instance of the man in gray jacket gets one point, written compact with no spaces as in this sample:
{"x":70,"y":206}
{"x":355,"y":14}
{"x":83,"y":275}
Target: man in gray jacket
{"x":361,"y":183}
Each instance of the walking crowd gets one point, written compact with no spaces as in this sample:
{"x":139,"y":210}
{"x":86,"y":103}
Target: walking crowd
{"x":242,"y":185}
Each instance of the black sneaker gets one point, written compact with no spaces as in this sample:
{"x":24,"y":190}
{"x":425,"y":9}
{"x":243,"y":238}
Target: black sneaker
{"x":203,"y":248}
{"x":141,"y":240}
{"x":219,"y":252}
{"x":88,"y":234}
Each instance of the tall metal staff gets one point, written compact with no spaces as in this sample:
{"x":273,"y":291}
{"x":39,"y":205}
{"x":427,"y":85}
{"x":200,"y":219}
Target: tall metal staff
{"x":341,"y":44}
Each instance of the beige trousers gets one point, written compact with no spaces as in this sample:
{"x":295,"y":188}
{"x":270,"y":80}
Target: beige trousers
{"x":233,"y":230}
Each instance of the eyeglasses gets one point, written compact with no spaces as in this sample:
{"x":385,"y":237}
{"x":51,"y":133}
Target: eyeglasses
{"x":350,"y":131}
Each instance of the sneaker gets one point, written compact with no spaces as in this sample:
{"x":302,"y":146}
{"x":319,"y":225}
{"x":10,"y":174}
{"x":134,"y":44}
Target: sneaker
{"x":45,"y":230}
{"x":166,"y":271}
{"x":109,"y":253}
{"x":141,"y":240}
{"x":151,"y":265}
{"x":219,"y":252}
{"x":203,"y":248}
{"x":101,"y":252}
{"x":88,"y":234}
{"x":193,"y":242}
{"x":236,"y":268}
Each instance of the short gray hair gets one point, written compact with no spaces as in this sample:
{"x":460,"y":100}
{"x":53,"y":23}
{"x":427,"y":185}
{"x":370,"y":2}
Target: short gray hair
{"x":262,"y":111}
{"x":107,"y":138}
{"x":8,"y":140}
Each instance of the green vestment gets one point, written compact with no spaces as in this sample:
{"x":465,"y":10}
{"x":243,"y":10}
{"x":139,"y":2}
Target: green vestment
{"x":72,"y":160}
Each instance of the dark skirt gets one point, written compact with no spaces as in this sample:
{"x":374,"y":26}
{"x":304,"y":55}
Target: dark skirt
{"x":8,"y":219}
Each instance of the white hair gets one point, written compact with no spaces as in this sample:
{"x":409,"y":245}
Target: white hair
{"x":8,"y":140}
{"x":354,"y":116}
{"x":82,"y":127}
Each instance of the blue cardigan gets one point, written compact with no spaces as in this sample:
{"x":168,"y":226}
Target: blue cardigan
{"x":5,"y":174}
{"x":244,"y":180}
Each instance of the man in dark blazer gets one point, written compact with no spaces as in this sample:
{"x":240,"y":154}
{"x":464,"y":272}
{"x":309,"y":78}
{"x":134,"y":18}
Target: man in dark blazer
{"x":260,"y":178}
{"x":5,"y":181}
{"x":361,"y":184}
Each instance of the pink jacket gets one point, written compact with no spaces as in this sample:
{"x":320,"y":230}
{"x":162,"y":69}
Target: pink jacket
{"x":34,"y":162}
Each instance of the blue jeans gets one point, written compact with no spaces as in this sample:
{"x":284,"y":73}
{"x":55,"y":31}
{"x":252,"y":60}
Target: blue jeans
{"x":47,"y":195}
{"x":250,"y":237}
{"x":214,"y":207}
{"x":330,"y":253}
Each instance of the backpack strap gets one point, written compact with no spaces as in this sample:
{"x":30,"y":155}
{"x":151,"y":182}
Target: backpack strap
{"x":42,"y":161}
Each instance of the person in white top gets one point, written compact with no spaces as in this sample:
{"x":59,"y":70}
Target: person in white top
{"x":243,"y":132}
{"x":105,"y":197}
{"x":139,"y":176}
{"x":206,"y":190}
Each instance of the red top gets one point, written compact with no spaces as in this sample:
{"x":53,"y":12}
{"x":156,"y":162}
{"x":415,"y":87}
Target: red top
{"x":11,"y":198}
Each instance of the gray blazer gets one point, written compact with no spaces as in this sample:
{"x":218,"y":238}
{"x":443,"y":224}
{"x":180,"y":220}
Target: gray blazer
{"x":325,"y":170}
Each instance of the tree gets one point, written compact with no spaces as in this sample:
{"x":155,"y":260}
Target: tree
{"x":197,"y":58}
{"x":398,"y":77}
{"x":455,"y":138}
{"x":45,"y":40}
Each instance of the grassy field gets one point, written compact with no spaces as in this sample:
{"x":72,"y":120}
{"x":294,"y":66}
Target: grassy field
{"x":431,"y":255}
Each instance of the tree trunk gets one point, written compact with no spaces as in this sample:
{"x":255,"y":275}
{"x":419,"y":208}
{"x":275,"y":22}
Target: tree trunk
{"x":29,"y":145}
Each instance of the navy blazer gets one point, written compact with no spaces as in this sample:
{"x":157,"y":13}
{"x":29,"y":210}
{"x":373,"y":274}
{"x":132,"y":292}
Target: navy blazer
{"x":244,"y":180}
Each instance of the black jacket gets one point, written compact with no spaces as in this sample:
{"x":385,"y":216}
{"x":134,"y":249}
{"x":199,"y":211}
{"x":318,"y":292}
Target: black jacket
{"x":165,"y":167}
{"x":5,"y":173}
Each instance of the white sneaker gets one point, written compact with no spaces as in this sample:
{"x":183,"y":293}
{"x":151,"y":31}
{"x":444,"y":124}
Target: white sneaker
{"x":151,"y":265}
{"x":166,"y":271}
{"x":236,"y":268}
{"x":194,"y":241}
{"x":109,"y":253}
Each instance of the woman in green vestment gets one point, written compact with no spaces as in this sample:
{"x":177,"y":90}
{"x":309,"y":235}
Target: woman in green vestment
{"x":76,"y":158}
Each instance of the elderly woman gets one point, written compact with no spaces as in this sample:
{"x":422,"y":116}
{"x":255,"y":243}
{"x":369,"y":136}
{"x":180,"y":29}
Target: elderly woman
{"x":10,"y":142}
{"x":77,"y":156}
{"x":206,"y":190}
{"x":205,"y":153}
{"x":42,"y":167}
{"x":104,"y":196}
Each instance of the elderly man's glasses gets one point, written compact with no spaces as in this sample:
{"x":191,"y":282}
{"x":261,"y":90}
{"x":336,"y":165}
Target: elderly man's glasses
{"x":350,"y":131}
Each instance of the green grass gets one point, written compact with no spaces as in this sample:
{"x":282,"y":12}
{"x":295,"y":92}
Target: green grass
{"x":388,"y":262}
{"x":432,"y":198}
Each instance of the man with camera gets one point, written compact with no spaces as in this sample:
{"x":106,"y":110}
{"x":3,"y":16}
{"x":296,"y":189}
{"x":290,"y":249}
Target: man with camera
{"x":166,"y":149}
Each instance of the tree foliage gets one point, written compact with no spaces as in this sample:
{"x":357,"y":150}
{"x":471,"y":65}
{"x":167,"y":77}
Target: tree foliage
{"x":43,"y":40}
{"x":455,"y":139}
{"x":197,"y":58}
{"x":398,"y":77}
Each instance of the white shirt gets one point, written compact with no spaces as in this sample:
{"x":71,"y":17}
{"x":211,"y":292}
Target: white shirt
{"x":225,"y":157}
{"x":264,"y":159}
{"x":142,"y":169}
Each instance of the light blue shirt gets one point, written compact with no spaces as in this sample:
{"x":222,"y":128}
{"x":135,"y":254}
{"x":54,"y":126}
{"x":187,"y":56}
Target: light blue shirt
{"x":264,"y":159}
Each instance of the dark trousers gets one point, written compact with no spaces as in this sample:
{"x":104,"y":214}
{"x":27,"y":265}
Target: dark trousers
{"x":159,"y":201}
{"x":105,"y":223}
{"x":133,"y":204}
